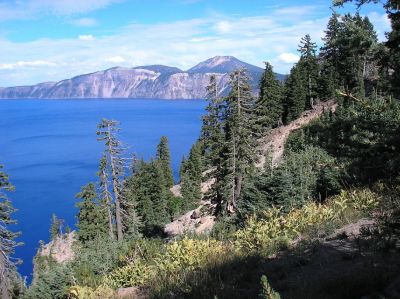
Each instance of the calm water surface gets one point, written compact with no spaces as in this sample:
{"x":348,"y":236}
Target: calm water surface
{"x":49,"y":150}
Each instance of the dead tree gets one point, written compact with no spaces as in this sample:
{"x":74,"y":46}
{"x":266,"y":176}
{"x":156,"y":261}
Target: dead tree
{"x":108,"y":130}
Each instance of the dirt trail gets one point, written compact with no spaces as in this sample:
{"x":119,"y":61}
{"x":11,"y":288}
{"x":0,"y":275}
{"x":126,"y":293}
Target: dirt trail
{"x":274,"y":142}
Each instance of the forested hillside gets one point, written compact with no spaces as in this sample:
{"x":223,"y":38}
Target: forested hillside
{"x":322,"y":221}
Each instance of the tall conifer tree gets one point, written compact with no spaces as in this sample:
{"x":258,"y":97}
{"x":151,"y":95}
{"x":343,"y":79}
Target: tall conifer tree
{"x":309,"y":67}
{"x":92,"y":217}
{"x":164,"y":156}
{"x":191,"y":178}
{"x":269,"y":107}
{"x":240,"y":140}
{"x":213,"y":139}
{"x":295,"y":95}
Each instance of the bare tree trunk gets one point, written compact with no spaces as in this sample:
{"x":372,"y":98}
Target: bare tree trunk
{"x":364,"y":67}
{"x":108,"y":203}
{"x":118,"y":216}
{"x":110,"y":224}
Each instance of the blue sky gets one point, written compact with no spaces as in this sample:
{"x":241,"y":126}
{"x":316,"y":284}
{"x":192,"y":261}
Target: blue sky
{"x":50,"y":40}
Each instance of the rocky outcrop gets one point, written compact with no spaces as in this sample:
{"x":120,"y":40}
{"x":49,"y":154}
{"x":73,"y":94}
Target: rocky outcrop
{"x":60,"y":250}
{"x":154,"y":81}
{"x":199,"y":221}
{"x":271,"y":145}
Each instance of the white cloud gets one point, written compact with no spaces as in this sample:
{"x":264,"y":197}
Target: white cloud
{"x":381,"y":23}
{"x":181,"y":43}
{"x":86,"y":37}
{"x":115,"y":59}
{"x":84,"y":22}
{"x":223,"y":27}
{"x":288,"y":58}
{"x":295,"y":11}
{"x":22,"y":64}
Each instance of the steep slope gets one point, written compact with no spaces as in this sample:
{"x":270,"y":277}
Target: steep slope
{"x":199,"y":219}
{"x":154,"y":81}
{"x":274,"y":142}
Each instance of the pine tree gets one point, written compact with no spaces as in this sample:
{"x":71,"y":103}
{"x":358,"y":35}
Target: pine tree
{"x":164,"y":156}
{"x":330,"y":51}
{"x":92,"y":217}
{"x":191,"y":177}
{"x":391,"y":60}
{"x":295,"y":94}
{"x":55,"y":227}
{"x":132,"y":222}
{"x":349,"y":48}
{"x":327,"y":82}
{"x":240,"y":140}
{"x":307,"y":174}
{"x":107,"y":132}
{"x":146,"y":187}
{"x":309,"y":66}
{"x":269,"y":104}
{"x":137,"y":190}
{"x":7,"y":237}
{"x":159,"y":194}
{"x":213,"y":139}
{"x":393,"y":44}
{"x":212,"y":128}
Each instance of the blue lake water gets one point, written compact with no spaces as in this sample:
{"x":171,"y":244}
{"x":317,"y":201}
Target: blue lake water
{"x":49,"y":149}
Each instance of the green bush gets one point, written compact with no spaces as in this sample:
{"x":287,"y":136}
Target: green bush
{"x":264,"y":233}
{"x":53,"y":284}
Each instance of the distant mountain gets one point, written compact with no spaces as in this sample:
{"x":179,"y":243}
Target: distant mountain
{"x":223,"y":64}
{"x":160,"y":68}
{"x":153,"y":81}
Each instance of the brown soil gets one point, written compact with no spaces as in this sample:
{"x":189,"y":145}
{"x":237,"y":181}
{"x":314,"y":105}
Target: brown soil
{"x":274,"y":143}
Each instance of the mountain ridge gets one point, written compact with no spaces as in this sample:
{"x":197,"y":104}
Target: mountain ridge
{"x":152,"y":81}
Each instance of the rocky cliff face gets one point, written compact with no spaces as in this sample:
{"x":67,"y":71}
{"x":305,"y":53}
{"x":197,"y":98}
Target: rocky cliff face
{"x":155,"y":81}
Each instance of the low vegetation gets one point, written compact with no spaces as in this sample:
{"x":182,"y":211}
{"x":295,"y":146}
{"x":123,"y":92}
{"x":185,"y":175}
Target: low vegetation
{"x":322,"y":223}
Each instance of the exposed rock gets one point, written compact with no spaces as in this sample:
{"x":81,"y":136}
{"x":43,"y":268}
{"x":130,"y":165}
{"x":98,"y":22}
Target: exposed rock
{"x":195,"y":214}
{"x":176,"y":190}
{"x":205,"y":186}
{"x":205,"y":225}
{"x":59,"y":249}
{"x":188,"y":224}
{"x":352,"y":230}
{"x":155,"y":81}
